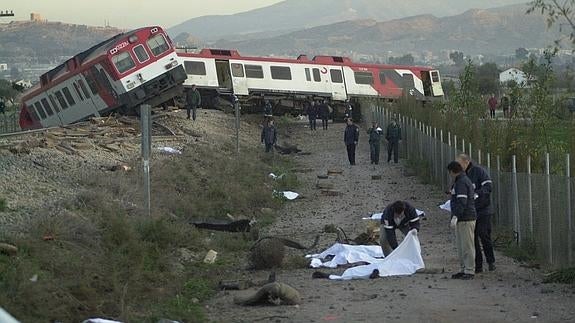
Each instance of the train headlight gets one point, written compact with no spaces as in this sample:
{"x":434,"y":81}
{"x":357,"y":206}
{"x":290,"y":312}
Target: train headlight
{"x":133,"y":39}
{"x":172,"y":64}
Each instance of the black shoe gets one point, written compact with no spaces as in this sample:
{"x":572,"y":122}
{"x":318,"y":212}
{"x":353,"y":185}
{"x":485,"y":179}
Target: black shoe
{"x":467,"y":276}
{"x":457,"y":276}
{"x":491,"y":267}
{"x":478,"y":270}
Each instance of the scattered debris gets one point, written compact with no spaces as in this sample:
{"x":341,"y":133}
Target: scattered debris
{"x":8,"y":249}
{"x":169,"y":150}
{"x":276,"y":177}
{"x":274,"y":294}
{"x":244,"y":225}
{"x":115,"y":168}
{"x":210,"y":257}
{"x":245,"y":284}
{"x":34,"y":278}
{"x":100,"y":321}
{"x":287,"y":195}
{"x":287,"y":150}
{"x":446,"y":206}
{"x":376,"y":177}
{"x":334,"y":172}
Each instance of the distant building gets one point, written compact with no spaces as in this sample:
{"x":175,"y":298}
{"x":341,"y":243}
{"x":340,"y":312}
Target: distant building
{"x":36,"y":17}
{"x":3,"y":67}
{"x":23,"y":83}
{"x":513,"y":74}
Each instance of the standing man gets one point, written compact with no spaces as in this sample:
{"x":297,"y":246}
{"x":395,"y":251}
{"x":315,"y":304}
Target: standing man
{"x":393,"y":137}
{"x":492,"y":102}
{"x":2,"y":106}
{"x":375,"y":133}
{"x":483,"y":185}
{"x":312,"y":111}
{"x":269,"y":135}
{"x":351,"y":137}
{"x":324,"y":113}
{"x":463,"y":220}
{"x":193,"y":101}
{"x":399,"y":215}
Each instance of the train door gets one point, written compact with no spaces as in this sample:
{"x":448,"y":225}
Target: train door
{"x":338,"y":89}
{"x":426,"y":80}
{"x":436,"y":83}
{"x":239,"y":79}
{"x":224,"y":75}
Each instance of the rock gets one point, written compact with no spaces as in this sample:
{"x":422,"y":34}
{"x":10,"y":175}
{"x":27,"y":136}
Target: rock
{"x":8,"y":249}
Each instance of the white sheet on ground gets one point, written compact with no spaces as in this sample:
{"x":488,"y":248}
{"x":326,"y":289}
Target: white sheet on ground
{"x":377,"y":216}
{"x":7,"y":318}
{"x":446,"y":206}
{"x":404,"y":260}
{"x":170,"y":150}
{"x":344,"y":254}
{"x":100,"y":321}
{"x":276,"y":177}
{"x":288,"y":195}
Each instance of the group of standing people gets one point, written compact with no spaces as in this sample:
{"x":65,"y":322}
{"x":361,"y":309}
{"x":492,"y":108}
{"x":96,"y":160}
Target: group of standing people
{"x":315,"y":109}
{"x":392,"y":136}
{"x":505,"y":105}
{"x":471,"y":212}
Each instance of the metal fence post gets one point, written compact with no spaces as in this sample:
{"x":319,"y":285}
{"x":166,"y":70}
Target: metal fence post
{"x":479,"y":156}
{"x":498,"y":189}
{"x":455,"y":145}
{"x":530,"y":197}
{"x":146,"y":124}
{"x":516,"y":221}
{"x":549,"y":230}
{"x":469,"y":152}
{"x":435,"y":166}
{"x":463,"y":145}
{"x":441,"y":159}
{"x":569,"y":221}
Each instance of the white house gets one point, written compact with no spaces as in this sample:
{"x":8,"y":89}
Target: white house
{"x":513,"y":74}
{"x":25,"y":84}
{"x":3,"y":67}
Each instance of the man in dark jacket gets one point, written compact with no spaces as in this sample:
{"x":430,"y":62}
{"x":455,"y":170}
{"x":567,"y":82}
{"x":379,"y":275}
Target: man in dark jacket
{"x":463,"y":217}
{"x":399,"y":215}
{"x":393,"y":137}
{"x":348,"y":110}
{"x":483,"y":185}
{"x":2,"y":106}
{"x":312,"y":111}
{"x":269,"y":135}
{"x":324,"y":114}
{"x":375,"y":133}
{"x":351,"y":137}
{"x":193,"y":101}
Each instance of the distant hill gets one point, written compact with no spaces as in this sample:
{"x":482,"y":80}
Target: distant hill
{"x":477,"y":31}
{"x":291,"y":15}
{"x":49,"y":40}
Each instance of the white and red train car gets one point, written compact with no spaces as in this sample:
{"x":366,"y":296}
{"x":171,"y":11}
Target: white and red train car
{"x":132,"y":68}
{"x":217,"y":71}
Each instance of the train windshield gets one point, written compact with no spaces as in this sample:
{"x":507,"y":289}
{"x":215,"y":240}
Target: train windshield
{"x":123,"y":62}
{"x":158,"y":44}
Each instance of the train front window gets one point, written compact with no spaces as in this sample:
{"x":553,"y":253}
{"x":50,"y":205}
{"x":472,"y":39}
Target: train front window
{"x":435,"y":76}
{"x":60,"y":98}
{"x":68,"y":96}
{"x":158,"y":44}
{"x":123,"y":62}
{"x":141,"y":53}
{"x":47,"y":107}
{"x":51,"y":97}
{"x":40,"y":110}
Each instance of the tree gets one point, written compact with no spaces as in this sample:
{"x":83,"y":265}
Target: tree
{"x":403,"y":60}
{"x":521,"y":53}
{"x":7,"y":91}
{"x":555,"y":11}
{"x":457,"y":58}
{"x":487,"y":76}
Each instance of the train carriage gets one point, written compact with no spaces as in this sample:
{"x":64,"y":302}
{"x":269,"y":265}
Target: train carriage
{"x":133,"y":68}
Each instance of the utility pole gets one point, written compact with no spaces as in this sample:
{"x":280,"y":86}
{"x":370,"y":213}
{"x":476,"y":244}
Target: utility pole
{"x":146,"y":125}
{"x":237,"y":111}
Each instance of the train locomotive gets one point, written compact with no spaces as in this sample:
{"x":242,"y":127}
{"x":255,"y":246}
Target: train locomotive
{"x":218,"y":73}
{"x":133,"y":68}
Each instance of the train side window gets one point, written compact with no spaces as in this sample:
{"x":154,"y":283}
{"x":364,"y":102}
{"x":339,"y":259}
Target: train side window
{"x":60,"y":98}
{"x":68,"y":96}
{"x":280,"y":72}
{"x":47,"y":107}
{"x":237,"y":70}
{"x":195,"y":68}
{"x":54,"y":104}
{"x":307,"y":75}
{"x":435,"y":76}
{"x":158,"y":44}
{"x":141,"y":53}
{"x":91,"y":84}
{"x":364,"y":78}
{"x":123,"y":62}
{"x":316,"y":75}
{"x":40,"y":110}
{"x":84,"y":90}
{"x":77,"y":88}
{"x":336,"y":76}
{"x":382,"y":78}
{"x":254,"y":71}
{"x":33,"y":113}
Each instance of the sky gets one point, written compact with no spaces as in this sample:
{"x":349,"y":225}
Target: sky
{"x":127,"y":13}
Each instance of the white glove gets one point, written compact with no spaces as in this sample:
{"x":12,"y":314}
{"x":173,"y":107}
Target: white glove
{"x":453,"y":223}
{"x":414,"y":232}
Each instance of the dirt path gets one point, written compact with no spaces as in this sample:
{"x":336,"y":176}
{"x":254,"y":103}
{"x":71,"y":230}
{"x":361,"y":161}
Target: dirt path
{"x":511,"y":293}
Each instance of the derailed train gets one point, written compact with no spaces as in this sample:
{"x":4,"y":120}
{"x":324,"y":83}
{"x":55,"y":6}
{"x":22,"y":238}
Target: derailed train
{"x":143,"y":66}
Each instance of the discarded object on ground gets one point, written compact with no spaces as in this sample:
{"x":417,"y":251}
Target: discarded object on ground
{"x":116,"y":168}
{"x":245,"y":284}
{"x":170,"y":150}
{"x":324,"y":186}
{"x":346,"y":254}
{"x":276,"y":177}
{"x":273,"y":293}
{"x":287,"y":149}
{"x":334,"y":172}
{"x":288,"y":242}
{"x":266,"y":254}
{"x":100,"y":321}
{"x":377,"y":216}
{"x":6,"y":318}
{"x":8,"y":249}
{"x":34,"y":278}
{"x":446,"y":206}
{"x":370,"y":237}
{"x":243,"y":225}
{"x":319,"y":275}
{"x":287,"y":195}
{"x":404,"y":260}
{"x":322,"y":176}
{"x":331,"y":193}
{"x":376,"y":177}
{"x":210,"y":257}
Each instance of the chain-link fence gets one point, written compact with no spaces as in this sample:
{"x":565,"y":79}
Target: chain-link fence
{"x":537,"y":207}
{"x":9,"y":122}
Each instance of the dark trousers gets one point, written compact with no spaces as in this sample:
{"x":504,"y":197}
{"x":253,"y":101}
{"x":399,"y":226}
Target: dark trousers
{"x":483,"y":239}
{"x":351,"y":153}
{"x":492,"y":113}
{"x":191,"y":109}
{"x":393,"y":147}
{"x":269,"y":147}
{"x":324,"y":123}
{"x":374,"y":152}
{"x":312,"y":123}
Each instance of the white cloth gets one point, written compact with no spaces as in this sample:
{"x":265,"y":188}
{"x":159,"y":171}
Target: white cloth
{"x":404,"y":260}
{"x":377,"y":216}
{"x":100,"y":321}
{"x":344,"y":254}
{"x":446,"y":206}
{"x":276,"y":177}
{"x":170,"y":150}
{"x":288,"y":195}
{"x":7,"y":318}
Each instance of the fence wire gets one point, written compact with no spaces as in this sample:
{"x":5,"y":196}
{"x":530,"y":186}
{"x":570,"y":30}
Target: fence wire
{"x":536,"y":208}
